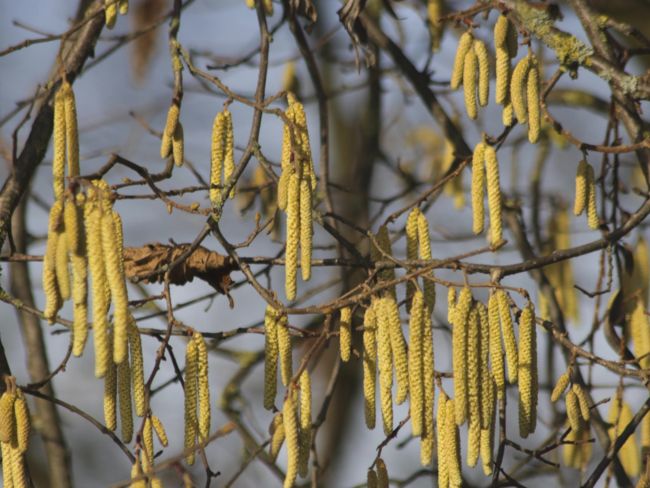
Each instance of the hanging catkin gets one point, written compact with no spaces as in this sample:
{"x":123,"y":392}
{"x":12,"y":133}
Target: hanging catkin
{"x":452,"y":447}
{"x":592,"y":210}
{"x":61,"y":265}
{"x":59,"y":145}
{"x":306,"y":228}
{"x":110,"y":397}
{"x":137,"y":368}
{"x":159,"y":429}
{"x":483,"y":71}
{"x":620,"y":415}
{"x":496,"y":347}
{"x":110,"y":13}
{"x":385,"y":365}
{"x":369,"y":365}
{"x":459,"y":353}
{"x":270,"y":356}
{"x":203,"y":387}
{"x":305,"y":422}
{"x":424,"y":241}
{"x":485,"y":377}
{"x":23,"y":422}
{"x":464,"y":45}
{"x":441,"y":422}
{"x":527,"y":373}
{"x":427,"y":441}
{"x":71,"y":130}
{"x":124,"y":395}
{"x":217,"y":152}
{"x":581,"y":192}
{"x":583,"y":402}
{"x":411,"y":231}
{"x":473,"y":387}
{"x":415,"y":363}
{"x":508,"y":332}
{"x":517,"y":85}
{"x":79,"y":275}
{"x":229,"y":151}
{"x":293,"y":236}
{"x":501,"y":28}
{"x":168,"y":132}
{"x":284,"y":350}
{"x":390,"y":311}
{"x":277,"y":435}
{"x":191,"y":398}
{"x":291,"y":433}
{"x":382,"y":474}
{"x":560,"y":386}
{"x":494,"y":195}
{"x":478,"y":188}
{"x":7,"y":418}
{"x":470,"y":67}
{"x":53,"y":300}
{"x":345,"y":333}
{"x":533,"y":102}
{"x":178,"y":145}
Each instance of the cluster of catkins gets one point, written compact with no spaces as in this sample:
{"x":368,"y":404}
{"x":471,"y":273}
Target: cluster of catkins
{"x":111,"y":8}
{"x":15,"y":427}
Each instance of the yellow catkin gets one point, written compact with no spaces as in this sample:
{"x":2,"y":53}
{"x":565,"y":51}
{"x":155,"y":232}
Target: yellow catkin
{"x":483,"y":72}
{"x":451,"y":304}
{"x":305,"y":422}
{"x":583,"y":402}
{"x":371,"y":479}
{"x":645,"y":433}
{"x":18,"y":474}
{"x":147,"y":444}
{"x":306,"y":228}
{"x":501,"y":28}
{"x":7,"y":477}
{"x":136,"y":474}
{"x":619,"y":416}
{"x":427,"y":441}
{"x":415,"y":363}
{"x":478,"y":188}
{"x":71,"y":131}
{"x":23,"y":422}
{"x":517,"y":85}
{"x":380,"y":253}
{"x":494,"y":195}
{"x":441,"y":422}
{"x":293,"y":236}
{"x":159,"y":429}
{"x":115,"y":275}
{"x":178,"y":145}
{"x":168,"y":132}
{"x":385,"y":365}
{"x":50,"y":282}
{"x":470,"y":67}
{"x":485,"y":377}
{"x":452,"y":446}
{"x":533,"y":102}
{"x":61,"y":265}
{"x":191,"y":398}
{"x":641,"y":275}
{"x":229,"y":155}
{"x":527,"y":374}
{"x":592,"y":210}
{"x":284,"y":350}
{"x":496,"y":347}
{"x":369,"y":366}
{"x":581,"y":188}
{"x":640,"y":332}
{"x":110,"y":13}
{"x":287,"y":169}
{"x":424,"y":240}
{"x":411,"y":231}
{"x":473,"y":387}
{"x":434,"y":13}
{"x":277,"y":435}
{"x":382,"y":474}
{"x":512,"y":41}
{"x":560,"y":386}
{"x":73,"y":227}
{"x":345,"y":333}
{"x":292,"y":439}
{"x":507,"y":116}
{"x":487,"y":433}
{"x":217,"y":151}
{"x":464,"y":45}
{"x":100,"y":300}
{"x":289,"y":79}
{"x":110,"y":397}
{"x":270,"y":357}
{"x":508,"y":332}
{"x":7,"y":418}
{"x":203,"y":387}
{"x":59,"y":135}
{"x":398,"y":348}
{"x":573,"y":411}
{"x":297,"y":114}
{"x":137,"y":368}
{"x":79,"y":284}
{"x":123,"y":6}
{"x":459,"y":353}
{"x":124,"y":395}
{"x":577,"y":455}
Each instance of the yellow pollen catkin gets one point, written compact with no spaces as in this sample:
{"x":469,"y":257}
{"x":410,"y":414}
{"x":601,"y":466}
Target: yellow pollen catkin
{"x":583,"y":402}
{"x":427,"y":441}
{"x":147,"y":444}
{"x":203,"y":387}
{"x":592,"y":209}
{"x":507,"y":116}
{"x":385,"y":365}
{"x":451,"y":304}
{"x":306,"y":228}
{"x":229,"y":156}
{"x":270,"y":357}
{"x":486,"y":392}
{"x":115,"y":275}
{"x":415,"y":363}
{"x":23,"y":422}
{"x":560,"y":387}
{"x":573,"y":411}
{"x":217,"y":151}
{"x":277,"y":435}
{"x":291,"y":433}
{"x":517,"y":84}
{"x":7,"y":417}
{"x":483,"y":72}
{"x":124,"y":395}
{"x":59,"y":145}
{"x":110,"y":13}
{"x":178,"y":145}
{"x":452,"y":447}
{"x":502,"y":75}
{"x":7,"y":477}
{"x":50,"y":282}
{"x":424,"y":241}
{"x":284,"y":350}
{"x":73,"y":227}
{"x":345,"y":333}
{"x":464,"y":45}
{"x":79,"y":286}
{"x":137,"y":368}
{"x":496,"y":347}
{"x":18,"y":474}
{"x":478,"y":188}
{"x":305,"y":422}
{"x":441,"y":422}
{"x":434,"y":13}
{"x":486,"y":451}
{"x":71,"y":131}
{"x":527,"y":373}
{"x":620,"y":414}
{"x":470,"y":67}
{"x":398,"y":348}
{"x":533,"y":102}
{"x":412,"y":244}
{"x":640,"y":333}
{"x":293,"y":236}
{"x":123,"y":6}
{"x":369,"y":365}
{"x":494,"y":195}
{"x":61,"y":265}
{"x":382,"y":474}
{"x":286,"y":165}
{"x":159,"y":429}
{"x":191,"y":398}
{"x":581,"y":188}
{"x":459,"y":353}
{"x":473,"y":387}
{"x":168,"y":132}
{"x":110,"y":397}
{"x":508,"y":332}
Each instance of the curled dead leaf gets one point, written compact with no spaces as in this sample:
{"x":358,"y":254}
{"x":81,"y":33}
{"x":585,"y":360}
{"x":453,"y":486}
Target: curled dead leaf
{"x":148,"y":263}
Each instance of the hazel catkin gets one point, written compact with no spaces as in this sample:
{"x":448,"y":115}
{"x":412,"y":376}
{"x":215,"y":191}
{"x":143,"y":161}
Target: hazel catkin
{"x":527,"y":372}
{"x":483,"y":61}
{"x":470,"y":67}
{"x":494,"y":195}
{"x":517,"y":85}
{"x":203,"y":387}
{"x":345,"y":333}
{"x":464,"y":45}
{"x":191,"y":398}
{"x":291,"y":433}
{"x":293,"y":236}
{"x":270,"y":356}
{"x":284,"y":350}
{"x":369,"y":366}
{"x":478,"y":188}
